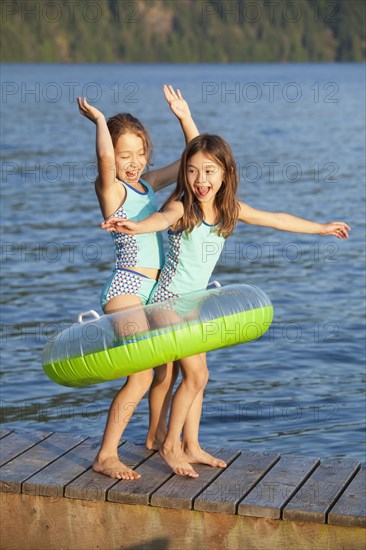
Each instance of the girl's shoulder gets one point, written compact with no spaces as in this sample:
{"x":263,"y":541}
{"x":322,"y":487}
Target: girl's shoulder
{"x":175,"y":205}
{"x":173,"y":211}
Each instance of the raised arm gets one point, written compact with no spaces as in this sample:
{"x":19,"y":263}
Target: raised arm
{"x":104,"y":145}
{"x":165,"y":176}
{"x":181,"y":110}
{"x":158,"y":221}
{"x":287,"y":222}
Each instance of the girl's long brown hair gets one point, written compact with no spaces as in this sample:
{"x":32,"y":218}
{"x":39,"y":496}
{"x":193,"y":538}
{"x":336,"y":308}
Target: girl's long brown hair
{"x":226,"y":203}
{"x":124,"y":123}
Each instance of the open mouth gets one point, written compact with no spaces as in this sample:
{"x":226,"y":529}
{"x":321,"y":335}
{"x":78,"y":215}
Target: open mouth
{"x":202,"y":191}
{"x":132,"y":175}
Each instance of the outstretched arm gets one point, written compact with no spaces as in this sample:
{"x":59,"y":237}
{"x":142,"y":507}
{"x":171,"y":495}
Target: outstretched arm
{"x":156,"y":222}
{"x":287,"y":222}
{"x":162,"y":177}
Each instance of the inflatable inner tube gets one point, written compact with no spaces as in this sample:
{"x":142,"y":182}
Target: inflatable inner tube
{"x":139,"y":338}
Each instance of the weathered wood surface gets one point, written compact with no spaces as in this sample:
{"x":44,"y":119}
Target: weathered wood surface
{"x":4,"y":432}
{"x":52,"y":479}
{"x":319,"y":499}
{"x":52,"y":523}
{"x":177,"y":493}
{"x":16,"y":443}
{"x":154,"y":472}
{"x":271,"y":494}
{"x":93,"y":486}
{"x":234,"y":483}
{"x":19,"y":469}
{"x":321,"y":490}
{"x":350,"y":509}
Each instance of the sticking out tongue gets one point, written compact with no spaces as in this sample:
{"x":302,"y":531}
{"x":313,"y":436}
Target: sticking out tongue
{"x":202,"y":191}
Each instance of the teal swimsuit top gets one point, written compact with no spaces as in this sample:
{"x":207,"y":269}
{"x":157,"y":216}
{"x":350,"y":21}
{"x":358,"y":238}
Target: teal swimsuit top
{"x":138,"y":250}
{"x":190,"y":261}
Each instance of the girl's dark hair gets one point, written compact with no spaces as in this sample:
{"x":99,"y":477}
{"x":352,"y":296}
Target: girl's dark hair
{"x":124,"y":123}
{"x":226,"y":203}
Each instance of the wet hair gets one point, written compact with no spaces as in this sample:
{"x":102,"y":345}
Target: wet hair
{"x":124,"y":123}
{"x":226,"y":203}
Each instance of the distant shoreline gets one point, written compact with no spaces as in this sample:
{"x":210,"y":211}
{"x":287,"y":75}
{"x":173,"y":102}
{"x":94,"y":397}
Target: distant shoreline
{"x":189,"y":31}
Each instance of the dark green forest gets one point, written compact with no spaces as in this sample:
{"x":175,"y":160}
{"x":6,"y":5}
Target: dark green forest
{"x":184,"y":31}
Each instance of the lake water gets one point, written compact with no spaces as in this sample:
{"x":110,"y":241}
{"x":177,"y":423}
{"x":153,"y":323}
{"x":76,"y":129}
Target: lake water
{"x":297,"y":132}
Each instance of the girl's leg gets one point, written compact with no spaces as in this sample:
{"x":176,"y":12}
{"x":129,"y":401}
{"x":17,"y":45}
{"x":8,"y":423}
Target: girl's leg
{"x":123,"y":405}
{"x":194,"y":377}
{"x":120,"y":412}
{"x":190,"y":444}
{"x":162,"y":386}
{"x":160,"y":395}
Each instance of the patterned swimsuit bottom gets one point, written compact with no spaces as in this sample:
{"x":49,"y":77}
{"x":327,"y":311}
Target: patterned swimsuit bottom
{"x":125,"y":281}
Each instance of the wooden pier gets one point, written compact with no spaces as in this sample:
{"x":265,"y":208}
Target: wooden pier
{"x":51,"y":499}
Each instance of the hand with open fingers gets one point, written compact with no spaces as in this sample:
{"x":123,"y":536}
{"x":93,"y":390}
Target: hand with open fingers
{"x":90,"y":112}
{"x":176,"y":102}
{"x":338,"y":229}
{"x":119,"y":225}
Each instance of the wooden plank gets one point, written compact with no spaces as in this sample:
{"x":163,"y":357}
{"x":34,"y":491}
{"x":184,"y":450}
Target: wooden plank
{"x":94,"y":486}
{"x":18,"y":442}
{"x":299,"y":489}
{"x":235,"y":482}
{"x":268,"y":498}
{"x":321,"y":490}
{"x":4,"y":432}
{"x":15,"y":472}
{"x":45,"y":523}
{"x":180,"y":491}
{"x":154,"y":472}
{"x":52,"y":480}
{"x":350,"y":509}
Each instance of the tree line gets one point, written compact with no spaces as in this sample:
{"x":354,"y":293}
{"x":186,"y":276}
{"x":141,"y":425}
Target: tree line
{"x":182,"y":31}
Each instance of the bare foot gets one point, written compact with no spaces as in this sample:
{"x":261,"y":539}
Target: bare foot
{"x":196,"y":455}
{"x":177,"y":461}
{"x":113,"y":467}
{"x":154,"y":443}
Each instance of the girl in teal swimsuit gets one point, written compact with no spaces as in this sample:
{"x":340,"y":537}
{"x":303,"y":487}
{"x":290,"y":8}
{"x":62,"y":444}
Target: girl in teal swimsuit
{"x":123,"y":151}
{"x":201,"y":214}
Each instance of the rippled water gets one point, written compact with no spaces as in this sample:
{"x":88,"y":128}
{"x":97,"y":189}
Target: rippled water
{"x":297,"y":132}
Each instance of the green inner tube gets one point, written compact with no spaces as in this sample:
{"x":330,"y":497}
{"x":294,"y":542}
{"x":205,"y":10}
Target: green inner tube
{"x":117,"y":357}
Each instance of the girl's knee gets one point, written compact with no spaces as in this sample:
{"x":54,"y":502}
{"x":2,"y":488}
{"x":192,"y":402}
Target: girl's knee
{"x":141,"y":380}
{"x":204,"y":379}
{"x":196,"y":381}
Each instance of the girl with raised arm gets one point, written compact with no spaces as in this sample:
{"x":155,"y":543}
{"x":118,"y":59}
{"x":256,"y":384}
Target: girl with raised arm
{"x":202,"y":210}
{"x":126,"y":191}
